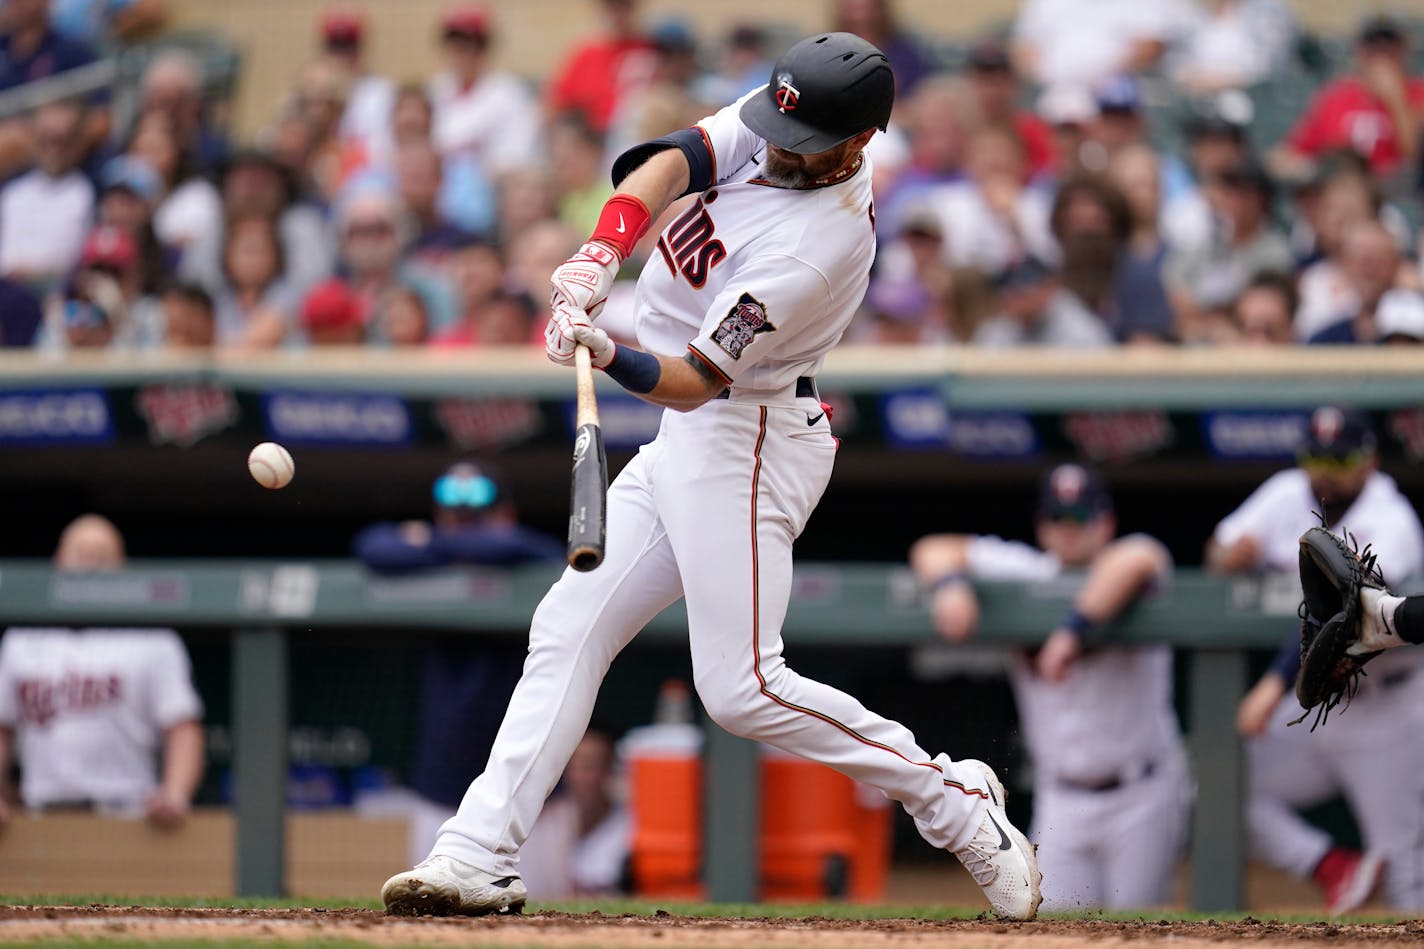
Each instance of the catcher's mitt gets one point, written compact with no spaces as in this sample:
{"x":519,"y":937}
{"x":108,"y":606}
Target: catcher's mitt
{"x":1333,"y":570}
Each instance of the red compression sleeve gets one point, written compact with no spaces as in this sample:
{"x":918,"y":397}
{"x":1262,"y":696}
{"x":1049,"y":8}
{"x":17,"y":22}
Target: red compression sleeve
{"x":623,"y":221}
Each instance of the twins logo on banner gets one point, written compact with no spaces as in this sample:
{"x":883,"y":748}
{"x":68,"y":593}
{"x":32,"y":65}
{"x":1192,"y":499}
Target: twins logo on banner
{"x":328,"y":418}
{"x":1118,"y":436}
{"x":184,"y":414}
{"x":56,"y":417}
{"x":473,"y":424}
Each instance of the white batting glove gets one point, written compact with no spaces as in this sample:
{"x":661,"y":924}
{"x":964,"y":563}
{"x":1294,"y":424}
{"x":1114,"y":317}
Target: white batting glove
{"x":582,"y":282}
{"x":559,"y":341}
{"x":600,"y":347}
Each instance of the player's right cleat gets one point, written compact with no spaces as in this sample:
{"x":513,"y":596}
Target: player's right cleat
{"x":1000,"y":858}
{"x":443,"y":886}
{"x":1348,"y":878}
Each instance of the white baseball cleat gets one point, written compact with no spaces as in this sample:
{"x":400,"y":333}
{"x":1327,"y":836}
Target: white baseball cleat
{"x":443,"y":886}
{"x":1376,"y":631}
{"x":1000,"y":858}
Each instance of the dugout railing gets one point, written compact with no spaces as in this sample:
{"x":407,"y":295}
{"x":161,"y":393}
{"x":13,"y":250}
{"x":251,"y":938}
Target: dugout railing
{"x":1211,"y":620}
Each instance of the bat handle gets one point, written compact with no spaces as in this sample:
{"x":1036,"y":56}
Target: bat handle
{"x":583,"y":382}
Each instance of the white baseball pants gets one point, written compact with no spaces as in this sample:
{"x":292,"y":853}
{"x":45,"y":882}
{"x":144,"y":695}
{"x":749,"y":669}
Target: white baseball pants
{"x":1372,"y":753}
{"x":707,"y":511}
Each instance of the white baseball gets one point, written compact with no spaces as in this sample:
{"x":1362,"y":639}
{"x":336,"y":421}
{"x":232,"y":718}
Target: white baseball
{"x":271,"y":465}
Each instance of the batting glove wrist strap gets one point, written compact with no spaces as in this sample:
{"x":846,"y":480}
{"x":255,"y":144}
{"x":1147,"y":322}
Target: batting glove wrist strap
{"x":624,"y":220}
{"x":582,"y":282}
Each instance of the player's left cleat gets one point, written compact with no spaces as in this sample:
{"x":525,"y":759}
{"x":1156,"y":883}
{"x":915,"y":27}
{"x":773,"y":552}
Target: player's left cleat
{"x":1000,"y":858}
{"x":1376,"y":631}
{"x":443,"y":886}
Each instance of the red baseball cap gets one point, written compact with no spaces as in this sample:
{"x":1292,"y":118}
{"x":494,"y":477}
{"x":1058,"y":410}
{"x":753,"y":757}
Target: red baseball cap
{"x":331,"y":304}
{"x":343,"y":25}
{"x":109,"y":246}
{"x":466,"y":20}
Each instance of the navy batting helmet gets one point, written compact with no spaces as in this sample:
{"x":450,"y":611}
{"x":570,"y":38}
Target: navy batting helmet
{"x":823,"y":91}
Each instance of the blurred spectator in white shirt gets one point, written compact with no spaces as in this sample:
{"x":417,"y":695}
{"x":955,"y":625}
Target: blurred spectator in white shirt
{"x":579,"y":844}
{"x":938,"y":119}
{"x":990,"y":218}
{"x":481,"y":111}
{"x":1232,"y":44}
{"x":1083,"y":41}
{"x":1371,"y":262}
{"x":365,"y":128}
{"x":45,"y":213}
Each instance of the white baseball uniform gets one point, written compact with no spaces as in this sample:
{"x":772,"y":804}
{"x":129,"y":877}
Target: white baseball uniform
{"x":89,"y":707}
{"x":759,"y":282}
{"x":1111,"y":788}
{"x":1370,"y":751}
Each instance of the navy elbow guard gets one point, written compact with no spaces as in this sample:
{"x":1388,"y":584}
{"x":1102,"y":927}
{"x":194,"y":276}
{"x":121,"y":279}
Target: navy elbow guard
{"x":701,"y":164}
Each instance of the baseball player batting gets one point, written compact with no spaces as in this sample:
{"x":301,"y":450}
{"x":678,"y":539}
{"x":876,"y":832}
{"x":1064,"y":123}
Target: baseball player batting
{"x":747,"y":291}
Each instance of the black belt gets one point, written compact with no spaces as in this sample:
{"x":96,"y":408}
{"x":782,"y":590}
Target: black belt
{"x":805,"y":389}
{"x":1110,"y":784}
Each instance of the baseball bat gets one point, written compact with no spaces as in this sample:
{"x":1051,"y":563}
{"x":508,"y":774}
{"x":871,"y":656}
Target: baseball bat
{"x":589,"y":494}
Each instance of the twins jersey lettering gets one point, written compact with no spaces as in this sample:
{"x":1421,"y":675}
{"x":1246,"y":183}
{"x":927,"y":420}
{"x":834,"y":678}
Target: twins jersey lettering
{"x":761,"y":280}
{"x":89,"y":708}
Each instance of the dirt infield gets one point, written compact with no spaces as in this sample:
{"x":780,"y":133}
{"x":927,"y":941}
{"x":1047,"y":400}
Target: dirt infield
{"x":586,"y":931}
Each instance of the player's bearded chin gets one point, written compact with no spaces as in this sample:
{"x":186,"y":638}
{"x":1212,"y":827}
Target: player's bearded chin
{"x":790,"y":170}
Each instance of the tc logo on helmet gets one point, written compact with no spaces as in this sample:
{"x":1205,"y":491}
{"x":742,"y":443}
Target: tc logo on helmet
{"x":787,"y":95}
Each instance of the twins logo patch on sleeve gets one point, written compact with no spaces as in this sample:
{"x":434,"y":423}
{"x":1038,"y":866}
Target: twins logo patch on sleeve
{"x":741,"y":325}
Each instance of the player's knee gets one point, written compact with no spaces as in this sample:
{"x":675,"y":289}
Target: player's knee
{"x":735,"y":711}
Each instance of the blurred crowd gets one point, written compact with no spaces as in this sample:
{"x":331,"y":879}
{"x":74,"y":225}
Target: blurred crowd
{"x":1198,"y":172}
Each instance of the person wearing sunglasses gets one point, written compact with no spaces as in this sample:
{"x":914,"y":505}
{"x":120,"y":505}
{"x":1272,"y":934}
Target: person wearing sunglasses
{"x":1373,"y":758}
{"x":465,"y":682}
{"x":1111,"y":788}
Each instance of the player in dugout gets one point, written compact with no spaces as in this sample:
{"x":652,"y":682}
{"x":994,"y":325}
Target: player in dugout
{"x":92,"y":710}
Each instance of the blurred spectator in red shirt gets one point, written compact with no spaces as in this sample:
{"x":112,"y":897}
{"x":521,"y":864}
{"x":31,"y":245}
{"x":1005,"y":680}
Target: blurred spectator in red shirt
{"x":480,"y":112}
{"x":595,"y":76}
{"x":875,"y":22}
{"x":332,"y":315}
{"x":189,"y":319}
{"x":1263,"y":312}
{"x":997,"y":94}
{"x":1376,"y":111}
{"x":668,"y":101}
